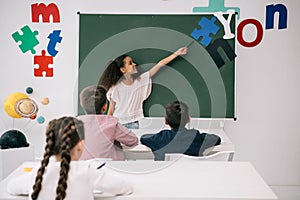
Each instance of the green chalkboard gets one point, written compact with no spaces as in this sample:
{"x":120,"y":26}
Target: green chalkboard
{"x":208,"y":88}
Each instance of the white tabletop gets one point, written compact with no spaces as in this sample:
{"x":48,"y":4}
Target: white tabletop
{"x":193,"y":180}
{"x":181,"y":180}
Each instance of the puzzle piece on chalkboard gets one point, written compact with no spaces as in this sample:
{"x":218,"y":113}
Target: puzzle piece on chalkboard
{"x":207,"y":27}
{"x":28,"y":39}
{"x":43,"y":61}
{"x":216,"y":6}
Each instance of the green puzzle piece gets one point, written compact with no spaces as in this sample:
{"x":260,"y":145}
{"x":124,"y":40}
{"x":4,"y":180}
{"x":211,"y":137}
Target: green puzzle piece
{"x":216,"y":6}
{"x":28,"y":39}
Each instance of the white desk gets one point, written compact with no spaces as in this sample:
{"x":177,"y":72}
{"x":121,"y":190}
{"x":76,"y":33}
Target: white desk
{"x":143,"y":152}
{"x":178,"y":180}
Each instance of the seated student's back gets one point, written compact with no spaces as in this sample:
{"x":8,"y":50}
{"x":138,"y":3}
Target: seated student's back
{"x":104,"y":134}
{"x":104,"y":137}
{"x":179,"y":139}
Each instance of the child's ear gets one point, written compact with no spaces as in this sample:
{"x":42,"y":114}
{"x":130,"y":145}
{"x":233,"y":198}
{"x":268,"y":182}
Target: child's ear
{"x":123,"y":70}
{"x":79,"y":145}
{"x":104,"y":107}
{"x":166,"y":123}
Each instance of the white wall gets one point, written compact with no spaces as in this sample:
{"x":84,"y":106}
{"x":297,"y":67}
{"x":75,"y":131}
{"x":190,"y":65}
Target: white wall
{"x":267,"y":129}
{"x":266,"y":132}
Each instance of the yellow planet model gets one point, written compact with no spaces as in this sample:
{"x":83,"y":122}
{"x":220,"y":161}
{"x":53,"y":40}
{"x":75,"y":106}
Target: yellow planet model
{"x":10,"y":102}
{"x":19,"y":105}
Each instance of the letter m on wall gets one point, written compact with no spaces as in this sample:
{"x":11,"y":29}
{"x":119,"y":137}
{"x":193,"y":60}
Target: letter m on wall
{"x":45,"y":12}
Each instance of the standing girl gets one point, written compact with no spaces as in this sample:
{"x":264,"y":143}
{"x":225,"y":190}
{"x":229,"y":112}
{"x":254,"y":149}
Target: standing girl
{"x":66,"y":177}
{"x":126,"y":93}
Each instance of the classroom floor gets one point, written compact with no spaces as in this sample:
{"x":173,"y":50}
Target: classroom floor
{"x":287,"y":192}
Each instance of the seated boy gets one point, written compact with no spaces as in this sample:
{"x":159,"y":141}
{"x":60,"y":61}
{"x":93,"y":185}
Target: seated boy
{"x":104,"y":134}
{"x":178,"y":139}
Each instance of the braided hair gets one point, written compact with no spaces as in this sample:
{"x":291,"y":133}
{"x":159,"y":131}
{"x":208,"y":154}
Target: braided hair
{"x":62,"y":135}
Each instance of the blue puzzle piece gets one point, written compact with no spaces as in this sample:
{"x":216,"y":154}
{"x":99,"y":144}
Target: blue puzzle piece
{"x":28,"y":39}
{"x":207,"y":27}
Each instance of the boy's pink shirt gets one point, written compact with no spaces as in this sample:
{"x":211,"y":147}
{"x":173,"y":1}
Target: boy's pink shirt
{"x":104,"y":136}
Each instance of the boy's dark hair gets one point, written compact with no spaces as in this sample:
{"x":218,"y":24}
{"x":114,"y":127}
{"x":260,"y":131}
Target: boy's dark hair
{"x":92,"y":99}
{"x":177,"y":114}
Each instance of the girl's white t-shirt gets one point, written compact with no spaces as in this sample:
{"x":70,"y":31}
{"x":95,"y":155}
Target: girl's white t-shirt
{"x":83,"y":180}
{"x":129,"y":98}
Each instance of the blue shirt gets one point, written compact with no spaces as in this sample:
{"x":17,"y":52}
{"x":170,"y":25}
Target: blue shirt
{"x":186,"y":141}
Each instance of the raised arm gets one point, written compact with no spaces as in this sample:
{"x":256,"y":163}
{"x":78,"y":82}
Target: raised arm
{"x":165,"y":61}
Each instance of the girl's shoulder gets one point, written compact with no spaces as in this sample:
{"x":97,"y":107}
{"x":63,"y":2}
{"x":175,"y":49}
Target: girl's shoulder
{"x":145,"y":75}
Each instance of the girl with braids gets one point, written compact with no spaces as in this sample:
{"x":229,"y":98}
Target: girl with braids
{"x":64,"y":177}
{"x":126,"y":94}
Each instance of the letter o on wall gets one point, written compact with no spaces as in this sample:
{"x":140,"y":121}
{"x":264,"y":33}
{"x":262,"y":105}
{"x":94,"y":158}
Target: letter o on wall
{"x":259,"y":35}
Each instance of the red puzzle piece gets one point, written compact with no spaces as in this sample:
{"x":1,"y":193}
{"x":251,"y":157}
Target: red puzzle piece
{"x":43,"y":61}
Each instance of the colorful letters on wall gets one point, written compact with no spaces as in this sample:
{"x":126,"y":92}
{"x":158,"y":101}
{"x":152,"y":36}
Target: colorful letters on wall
{"x":29,"y":41}
{"x":27,"y":38}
